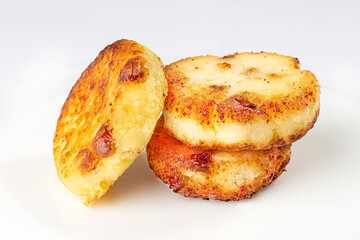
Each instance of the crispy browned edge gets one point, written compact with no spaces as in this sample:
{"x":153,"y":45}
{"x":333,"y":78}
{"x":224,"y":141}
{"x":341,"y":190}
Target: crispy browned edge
{"x":168,"y":157}
{"x":238,"y":107}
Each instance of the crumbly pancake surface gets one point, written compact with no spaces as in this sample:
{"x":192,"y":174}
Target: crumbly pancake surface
{"x":108,"y":118}
{"x":240,"y":102}
{"x":212,"y":174}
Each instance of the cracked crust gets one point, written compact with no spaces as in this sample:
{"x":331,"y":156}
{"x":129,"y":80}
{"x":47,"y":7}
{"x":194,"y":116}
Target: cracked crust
{"x":108,"y":117}
{"x":211,"y":174}
{"x":242,"y":101}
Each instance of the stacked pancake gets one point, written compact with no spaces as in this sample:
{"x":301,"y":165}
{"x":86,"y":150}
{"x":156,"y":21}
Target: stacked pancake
{"x":228,"y":123}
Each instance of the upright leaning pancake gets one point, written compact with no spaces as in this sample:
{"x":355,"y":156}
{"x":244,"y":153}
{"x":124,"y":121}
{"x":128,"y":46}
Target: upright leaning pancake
{"x":240,"y":102}
{"x":108,"y":118}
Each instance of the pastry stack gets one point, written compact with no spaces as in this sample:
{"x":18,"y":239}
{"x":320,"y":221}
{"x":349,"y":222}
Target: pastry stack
{"x":229,"y":122}
{"x":225,"y":132}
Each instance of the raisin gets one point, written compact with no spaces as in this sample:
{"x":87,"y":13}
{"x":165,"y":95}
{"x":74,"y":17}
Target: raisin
{"x":88,"y":160}
{"x":200,"y":161}
{"x":133,"y":70}
{"x":245,"y":103}
{"x":103,"y":143}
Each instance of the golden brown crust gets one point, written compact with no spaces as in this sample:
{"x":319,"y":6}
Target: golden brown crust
{"x":91,"y":87}
{"x":94,"y":80}
{"x":205,"y":174}
{"x":219,"y":104}
{"x":108,"y":116}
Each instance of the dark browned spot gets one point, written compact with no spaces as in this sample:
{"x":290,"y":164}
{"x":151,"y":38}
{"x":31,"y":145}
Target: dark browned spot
{"x":296,"y":63}
{"x":251,"y":71}
{"x":229,"y":56}
{"x":136,"y":52}
{"x":204,"y":169}
{"x":217,"y":88}
{"x":244,"y":102}
{"x":277,"y":107}
{"x":178,"y":181}
{"x":274,"y":75}
{"x":133,"y":70}
{"x":175,"y":183}
{"x":88,"y":160}
{"x":103,"y":143}
{"x":200,"y":161}
{"x":224,"y":65}
{"x":221,"y":116}
{"x":280,"y":142}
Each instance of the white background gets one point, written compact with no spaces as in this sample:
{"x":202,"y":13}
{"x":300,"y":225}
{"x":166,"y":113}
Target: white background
{"x":44,"y":47}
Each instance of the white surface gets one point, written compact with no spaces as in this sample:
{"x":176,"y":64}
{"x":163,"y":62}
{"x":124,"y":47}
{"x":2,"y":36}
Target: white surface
{"x":44,"y":48}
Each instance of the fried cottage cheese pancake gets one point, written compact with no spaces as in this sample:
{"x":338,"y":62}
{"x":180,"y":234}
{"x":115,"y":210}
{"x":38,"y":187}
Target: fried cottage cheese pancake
{"x":212,"y":174}
{"x":108,"y":118}
{"x":240,"y":102}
